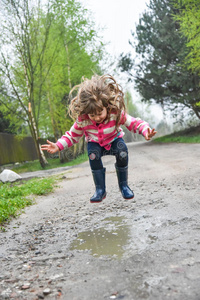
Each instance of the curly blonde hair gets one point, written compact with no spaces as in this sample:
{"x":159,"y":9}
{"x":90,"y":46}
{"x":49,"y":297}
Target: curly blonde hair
{"x":96,"y":93}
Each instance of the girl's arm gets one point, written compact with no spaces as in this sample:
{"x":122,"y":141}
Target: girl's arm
{"x":70,"y":137}
{"x":137,"y":125}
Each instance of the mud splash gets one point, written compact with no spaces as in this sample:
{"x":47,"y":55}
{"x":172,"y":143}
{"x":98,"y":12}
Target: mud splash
{"x":110,"y":240}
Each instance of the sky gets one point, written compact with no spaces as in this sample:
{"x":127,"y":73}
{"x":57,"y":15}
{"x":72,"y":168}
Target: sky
{"x":118,"y":17}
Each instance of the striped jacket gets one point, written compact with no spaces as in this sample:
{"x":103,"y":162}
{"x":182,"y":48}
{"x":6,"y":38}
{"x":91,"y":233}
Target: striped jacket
{"x":104,"y":133}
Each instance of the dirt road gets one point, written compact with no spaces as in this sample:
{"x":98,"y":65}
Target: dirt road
{"x":63,"y":247}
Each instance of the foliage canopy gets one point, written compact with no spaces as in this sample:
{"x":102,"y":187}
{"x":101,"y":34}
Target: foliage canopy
{"x":45,"y":49}
{"x":189,"y":20}
{"x":161,"y":74}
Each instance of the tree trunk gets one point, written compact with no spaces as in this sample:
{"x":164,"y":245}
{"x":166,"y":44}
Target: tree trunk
{"x":51,"y":115}
{"x":41,"y":156}
{"x":83,"y":146}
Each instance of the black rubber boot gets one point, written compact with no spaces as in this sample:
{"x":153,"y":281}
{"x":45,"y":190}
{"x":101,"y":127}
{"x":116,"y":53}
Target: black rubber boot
{"x":99,"y":181}
{"x":122,"y":175}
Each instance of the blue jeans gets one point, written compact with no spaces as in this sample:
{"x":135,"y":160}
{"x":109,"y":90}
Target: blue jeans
{"x":118,"y":149}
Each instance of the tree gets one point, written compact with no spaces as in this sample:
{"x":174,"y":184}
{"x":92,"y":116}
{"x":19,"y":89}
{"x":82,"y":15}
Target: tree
{"x":189,"y":20}
{"x":78,"y":54}
{"x":39,"y":45}
{"x":160,"y":74}
{"x":5,"y":125}
{"x":21,"y":65}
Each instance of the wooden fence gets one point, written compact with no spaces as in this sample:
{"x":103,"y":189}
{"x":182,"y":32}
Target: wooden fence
{"x":16,"y":149}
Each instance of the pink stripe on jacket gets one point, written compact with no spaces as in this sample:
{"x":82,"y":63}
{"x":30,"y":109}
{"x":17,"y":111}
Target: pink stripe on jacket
{"x":104,"y":133}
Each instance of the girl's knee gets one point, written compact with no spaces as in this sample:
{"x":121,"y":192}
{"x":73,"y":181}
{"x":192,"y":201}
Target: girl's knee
{"x":93,"y":155}
{"x":94,"y":152}
{"x":123,"y":155}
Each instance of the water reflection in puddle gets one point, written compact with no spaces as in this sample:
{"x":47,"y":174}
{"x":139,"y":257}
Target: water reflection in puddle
{"x":108,"y":240}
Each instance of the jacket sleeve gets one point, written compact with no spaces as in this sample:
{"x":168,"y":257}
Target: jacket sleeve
{"x":135,"y":125}
{"x":70,"y":137}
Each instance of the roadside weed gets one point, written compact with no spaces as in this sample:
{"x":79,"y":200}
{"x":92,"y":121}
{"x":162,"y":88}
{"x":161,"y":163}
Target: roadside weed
{"x":16,"y":196}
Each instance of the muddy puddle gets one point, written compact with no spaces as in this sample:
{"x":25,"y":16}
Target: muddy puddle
{"x":110,"y":240}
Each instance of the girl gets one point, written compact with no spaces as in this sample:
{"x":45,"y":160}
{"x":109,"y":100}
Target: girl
{"x":99,"y":110}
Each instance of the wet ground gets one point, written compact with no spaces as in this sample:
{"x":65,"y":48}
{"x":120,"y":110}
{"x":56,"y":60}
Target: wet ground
{"x":63,"y":247}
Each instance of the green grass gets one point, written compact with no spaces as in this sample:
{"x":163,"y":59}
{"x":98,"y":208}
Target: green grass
{"x":52,"y":163}
{"x":189,"y":135}
{"x":178,"y":139}
{"x":16,"y":196}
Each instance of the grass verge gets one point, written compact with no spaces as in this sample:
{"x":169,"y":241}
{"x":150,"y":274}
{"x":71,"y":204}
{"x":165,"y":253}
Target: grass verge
{"x":52,"y":164}
{"x":16,"y":196}
{"x":178,"y":139}
{"x":189,"y":135}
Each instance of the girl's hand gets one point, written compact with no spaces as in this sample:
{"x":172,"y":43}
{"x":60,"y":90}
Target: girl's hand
{"x":51,"y":147}
{"x":150,"y":133}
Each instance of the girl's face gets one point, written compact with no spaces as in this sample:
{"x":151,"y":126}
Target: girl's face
{"x":99,"y":117}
